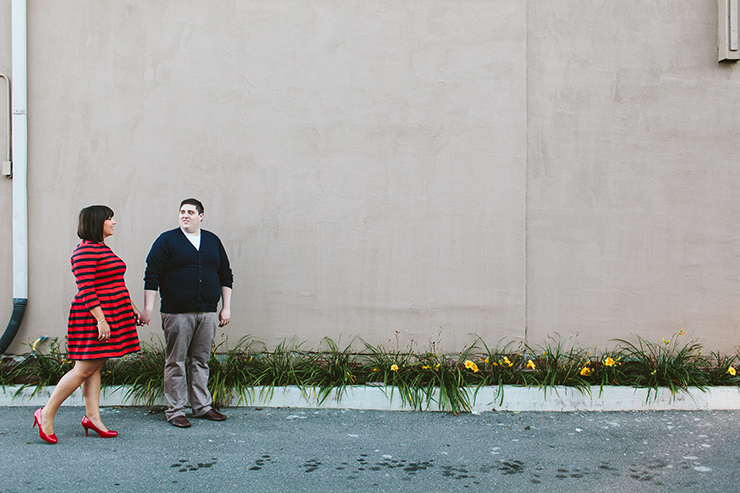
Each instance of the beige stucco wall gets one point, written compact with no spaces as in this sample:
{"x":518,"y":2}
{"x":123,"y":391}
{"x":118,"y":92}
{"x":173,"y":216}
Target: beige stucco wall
{"x":633,"y":217}
{"x":363,"y":162}
{"x":429,"y":167}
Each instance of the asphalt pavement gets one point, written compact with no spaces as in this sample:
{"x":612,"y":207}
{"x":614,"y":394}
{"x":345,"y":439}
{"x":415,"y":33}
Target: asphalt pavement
{"x":334,"y":450}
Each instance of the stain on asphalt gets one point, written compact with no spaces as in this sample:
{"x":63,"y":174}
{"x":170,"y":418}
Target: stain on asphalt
{"x":185,"y":465}
{"x":259,"y":463}
{"x":311,"y":465}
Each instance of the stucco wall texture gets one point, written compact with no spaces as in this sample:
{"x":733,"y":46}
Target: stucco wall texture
{"x":421,"y":170}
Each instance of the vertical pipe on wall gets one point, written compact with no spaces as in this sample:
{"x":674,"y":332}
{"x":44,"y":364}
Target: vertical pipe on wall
{"x":20,"y":167}
{"x":20,"y":151}
{"x":7,"y":100}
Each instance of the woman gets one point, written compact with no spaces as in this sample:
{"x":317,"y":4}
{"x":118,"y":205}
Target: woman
{"x":102,"y":322}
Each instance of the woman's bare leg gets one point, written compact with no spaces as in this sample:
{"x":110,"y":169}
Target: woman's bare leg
{"x":75,"y":377}
{"x":91,"y":393}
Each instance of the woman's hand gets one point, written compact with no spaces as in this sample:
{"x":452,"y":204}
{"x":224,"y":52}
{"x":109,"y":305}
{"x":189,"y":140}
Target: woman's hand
{"x":137,"y":314}
{"x":103,"y":331}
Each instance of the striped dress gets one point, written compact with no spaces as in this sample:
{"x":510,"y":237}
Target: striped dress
{"x":99,"y":275}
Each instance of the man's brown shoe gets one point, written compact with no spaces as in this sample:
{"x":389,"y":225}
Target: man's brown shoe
{"x":212,"y":415}
{"x":180,"y":422}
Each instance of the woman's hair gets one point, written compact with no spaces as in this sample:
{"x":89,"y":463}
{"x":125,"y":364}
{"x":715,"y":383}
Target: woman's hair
{"x":90,"y":225}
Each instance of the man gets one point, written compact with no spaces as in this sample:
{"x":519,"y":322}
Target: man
{"x":189,"y":267}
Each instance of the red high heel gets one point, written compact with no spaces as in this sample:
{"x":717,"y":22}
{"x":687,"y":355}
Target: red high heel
{"x":88,"y":425}
{"x":37,"y":421}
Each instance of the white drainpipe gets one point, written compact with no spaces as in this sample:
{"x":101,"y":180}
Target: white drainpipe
{"x":19,"y":170}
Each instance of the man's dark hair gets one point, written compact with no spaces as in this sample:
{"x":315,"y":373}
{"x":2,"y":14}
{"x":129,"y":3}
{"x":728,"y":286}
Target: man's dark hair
{"x":90,"y":224}
{"x":194,"y":202}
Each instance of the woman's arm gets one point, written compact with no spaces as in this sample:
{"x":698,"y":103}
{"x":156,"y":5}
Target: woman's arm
{"x":84,"y":264}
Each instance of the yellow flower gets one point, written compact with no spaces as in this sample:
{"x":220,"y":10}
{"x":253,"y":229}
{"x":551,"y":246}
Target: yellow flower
{"x":507,"y":362}
{"x":436,"y":367}
{"x":374,"y":370}
{"x":424,"y":367}
{"x":682,"y":333}
{"x":351,"y":376}
{"x":609,"y":362}
{"x":495,"y":364}
{"x":394,"y":367}
{"x":474,"y":367}
{"x":486,"y":360}
{"x":731,"y":371}
{"x":585,"y":371}
{"x":468,"y":364}
{"x":530,"y":364}
{"x":666,"y":341}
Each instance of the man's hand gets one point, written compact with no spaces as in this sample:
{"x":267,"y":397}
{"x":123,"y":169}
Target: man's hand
{"x":224,"y":317}
{"x":146,"y":313}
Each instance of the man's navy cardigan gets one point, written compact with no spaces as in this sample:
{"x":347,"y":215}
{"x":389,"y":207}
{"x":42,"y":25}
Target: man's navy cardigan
{"x":188,"y":280}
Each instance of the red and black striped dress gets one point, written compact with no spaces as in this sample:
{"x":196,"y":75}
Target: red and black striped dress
{"x":99,"y":275}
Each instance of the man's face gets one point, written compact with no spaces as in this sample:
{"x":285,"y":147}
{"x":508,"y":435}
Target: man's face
{"x":190,"y":219}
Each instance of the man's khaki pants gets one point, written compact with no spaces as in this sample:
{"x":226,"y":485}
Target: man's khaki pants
{"x":188,"y":339}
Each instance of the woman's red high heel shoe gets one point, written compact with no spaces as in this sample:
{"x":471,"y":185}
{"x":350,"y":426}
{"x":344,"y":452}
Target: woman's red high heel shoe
{"x":88,"y":425}
{"x":37,"y":421}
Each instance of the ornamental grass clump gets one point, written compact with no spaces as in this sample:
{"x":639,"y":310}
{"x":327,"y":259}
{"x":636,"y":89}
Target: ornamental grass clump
{"x":143,"y":372}
{"x":553,"y":364}
{"x":420,"y":379}
{"x":442,"y":379}
{"x":387,"y":368}
{"x":233,"y":373}
{"x":669,"y":363}
{"x":8,"y":371}
{"x":721,"y":370}
{"x":40,"y":370}
{"x":498,"y":367}
{"x":602,"y":370}
{"x":334,"y":371}
{"x":285,"y":365}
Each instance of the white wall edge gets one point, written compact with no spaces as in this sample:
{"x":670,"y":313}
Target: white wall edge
{"x":557,"y":399}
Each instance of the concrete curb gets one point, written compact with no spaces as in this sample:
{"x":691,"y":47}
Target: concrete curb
{"x":556,"y":399}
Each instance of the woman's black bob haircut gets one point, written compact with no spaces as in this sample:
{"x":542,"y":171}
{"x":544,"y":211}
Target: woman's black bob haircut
{"x":90,"y":225}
